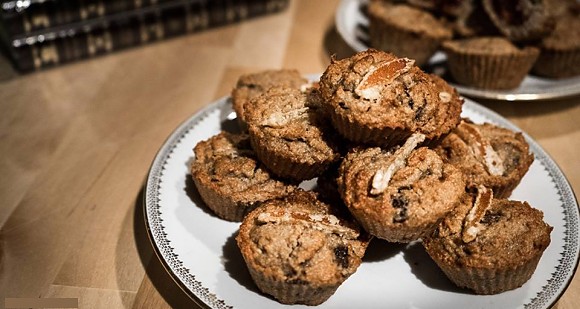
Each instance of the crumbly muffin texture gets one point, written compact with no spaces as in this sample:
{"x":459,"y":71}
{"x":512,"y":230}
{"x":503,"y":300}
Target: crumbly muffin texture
{"x":229,"y":177}
{"x":252,"y":85}
{"x":374,"y":92}
{"x":289,"y":134}
{"x":298,"y":250}
{"x":488,"y":155}
{"x":399,"y":196}
{"x":489,"y":245}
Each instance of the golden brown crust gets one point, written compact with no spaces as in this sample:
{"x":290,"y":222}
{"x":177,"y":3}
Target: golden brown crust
{"x":252,"y":85}
{"x":374,"y":97}
{"x":229,"y":178}
{"x":299,"y":250}
{"x":418,"y":195}
{"x":489,"y":62}
{"x":289,"y":134}
{"x":463,"y":148}
{"x":504,"y":253}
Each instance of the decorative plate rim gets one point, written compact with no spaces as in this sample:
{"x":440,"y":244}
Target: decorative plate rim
{"x":564,"y":90}
{"x":551,"y":292}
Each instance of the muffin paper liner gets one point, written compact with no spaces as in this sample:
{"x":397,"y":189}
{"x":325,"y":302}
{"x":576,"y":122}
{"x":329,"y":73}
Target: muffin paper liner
{"x":360,"y":133}
{"x":491,"y":71}
{"x":401,"y":42}
{"x":284,"y":166}
{"x":292,"y":293}
{"x":489,"y":280}
{"x":223,"y":206}
{"x":557,"y":64}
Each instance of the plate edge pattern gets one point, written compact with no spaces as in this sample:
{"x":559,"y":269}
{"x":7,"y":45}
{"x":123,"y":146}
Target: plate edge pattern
{"x":157,"y":229}
{"x":567,"y":263}
{"x":549,"y":292}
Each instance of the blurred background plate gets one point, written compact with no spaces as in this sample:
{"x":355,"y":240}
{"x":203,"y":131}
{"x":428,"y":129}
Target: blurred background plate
{"x":352,"y":25}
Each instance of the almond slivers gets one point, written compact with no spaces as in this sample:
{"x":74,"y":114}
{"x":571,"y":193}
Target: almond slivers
{"x":279,"y":119}
{"x":321,"y":222}
{"x":481,"y":148}
{"x":378,"y":76}
{"x":472,"y":225}
{"x":383,"y":176}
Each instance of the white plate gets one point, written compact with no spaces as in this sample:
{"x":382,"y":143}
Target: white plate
{"x":199,"y":250}
{"x":352,"y":25}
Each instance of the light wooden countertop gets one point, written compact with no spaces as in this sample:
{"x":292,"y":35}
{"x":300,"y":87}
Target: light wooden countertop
{"x":76,"y":143}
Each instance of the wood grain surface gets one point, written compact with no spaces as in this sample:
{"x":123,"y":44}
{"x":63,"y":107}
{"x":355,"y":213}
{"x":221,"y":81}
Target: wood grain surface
{"x":76,"y":143}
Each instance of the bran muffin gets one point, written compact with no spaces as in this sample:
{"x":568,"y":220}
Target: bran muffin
{"x":520,"y":20}
{"x":489,"y":245}
{"x":399,"y":196}
{"x":560,"y":51}
{"x":489,"y":62}
{"x":289,"y":135}
{"x":488,"y":155}
{"x":452,"y":8}
{"x":252,"y":85}
{"x":229,"y":178}
{"x":405,"y":31}
{"x":473,"y":21}
{"x":298,"y":250}
{"x":376,"y":98}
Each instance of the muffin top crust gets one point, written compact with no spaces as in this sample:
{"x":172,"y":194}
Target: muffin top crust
{"x":377,"y":89}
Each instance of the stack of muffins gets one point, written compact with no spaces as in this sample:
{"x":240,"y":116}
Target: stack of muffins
{"x":489,"y":44}
{"x":393,"y":160}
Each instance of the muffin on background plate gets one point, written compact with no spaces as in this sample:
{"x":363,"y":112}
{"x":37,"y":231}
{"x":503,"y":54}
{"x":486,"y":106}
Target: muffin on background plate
{"x":405,"y":31}
{"x":489,"y":62}
{"x":520,"y":20}
{"x":560,"y":51}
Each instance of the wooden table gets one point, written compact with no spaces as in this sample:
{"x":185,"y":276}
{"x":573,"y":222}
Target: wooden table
{"x":76,"y":143}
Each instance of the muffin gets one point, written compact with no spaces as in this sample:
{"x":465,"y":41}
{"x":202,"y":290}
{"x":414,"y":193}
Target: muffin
{"x":252,"y":85}
{"x":289,"y":135}
{"x":405,"y":31}
{"x":487,"y":155}
{"x":229,"y":178}
{"x":489,"y":62}
{"x":560,"y":51}
{"x":489,"y":245}
{"x":298,"y":250}
{"x":473,"y":21}
{"x":452,"y":8}
{"x":520,"y":20}
{"x":376,"y":98}
{"x":399,"y":196}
